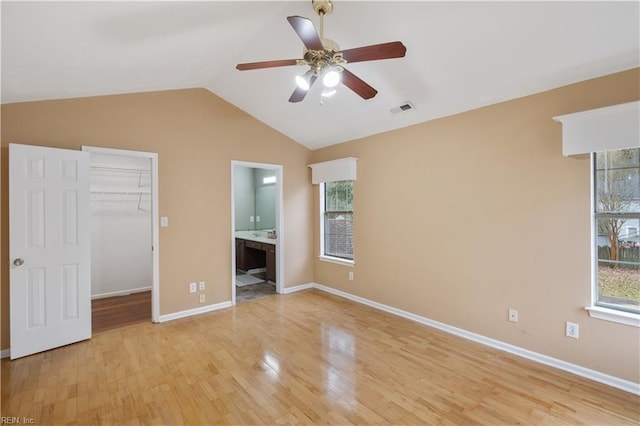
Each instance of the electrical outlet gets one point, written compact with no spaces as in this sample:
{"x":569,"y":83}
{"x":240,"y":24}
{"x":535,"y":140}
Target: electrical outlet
{"x":513,"y":315}
{"x":202,"y":285}
{"x":350,"y":275}
{"x":257,"y":218}
{"x":202,"y":298}
{"x":192,"y":287}
{"x":251,"y":219}
{"x":572,"y":330}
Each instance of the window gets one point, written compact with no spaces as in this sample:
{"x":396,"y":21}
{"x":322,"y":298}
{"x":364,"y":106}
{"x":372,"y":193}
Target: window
{"x":336,"y":200}
{"x":616,"y":222}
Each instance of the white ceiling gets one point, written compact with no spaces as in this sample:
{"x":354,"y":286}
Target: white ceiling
{"x":460,"y":55}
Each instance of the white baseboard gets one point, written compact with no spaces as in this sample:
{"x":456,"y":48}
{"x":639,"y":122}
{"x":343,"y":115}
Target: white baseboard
{"x":578,"y":370}
{"x":295,"y":288}
{"x":5,"y":353}
{"x":195,"y":311}
{"x":222,"y":305}
{"x":120,"y":293}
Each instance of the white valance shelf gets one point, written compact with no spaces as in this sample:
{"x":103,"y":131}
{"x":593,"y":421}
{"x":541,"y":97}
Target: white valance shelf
{"x":601,"y":129}
{"x":334,"y":170}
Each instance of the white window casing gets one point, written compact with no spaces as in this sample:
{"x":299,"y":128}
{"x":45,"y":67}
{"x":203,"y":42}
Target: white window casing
{"x":332,"y":171}
{"x":598,"y":130}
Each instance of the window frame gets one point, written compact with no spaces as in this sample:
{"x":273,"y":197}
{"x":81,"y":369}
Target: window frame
{"x":323,"y":256}
{"x":600,"y":310}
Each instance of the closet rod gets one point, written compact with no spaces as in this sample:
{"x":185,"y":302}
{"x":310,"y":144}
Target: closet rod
{"x":106,"y":191}
{"x":120,"y":169}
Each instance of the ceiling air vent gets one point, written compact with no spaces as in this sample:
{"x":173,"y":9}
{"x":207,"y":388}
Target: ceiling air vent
{"x":405,"y":107}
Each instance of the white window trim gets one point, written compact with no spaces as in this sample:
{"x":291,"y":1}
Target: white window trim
{"x":324,"y":257}
{"x":599,"y":312}
{"x":336,"y":260}
{"x":614,"y":315}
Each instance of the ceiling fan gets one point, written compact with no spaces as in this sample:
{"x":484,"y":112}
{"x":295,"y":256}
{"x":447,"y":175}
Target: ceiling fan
{"x":326,"y":60}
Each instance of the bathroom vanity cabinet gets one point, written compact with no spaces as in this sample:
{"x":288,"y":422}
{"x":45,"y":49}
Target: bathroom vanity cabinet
{"x":271,"y":261}
{"x":253,"y":254}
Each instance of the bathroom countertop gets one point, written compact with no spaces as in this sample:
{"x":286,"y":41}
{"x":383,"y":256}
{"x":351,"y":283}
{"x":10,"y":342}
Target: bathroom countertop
{"x":257,"y":236}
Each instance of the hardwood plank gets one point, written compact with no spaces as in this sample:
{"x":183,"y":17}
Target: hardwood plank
{"x":306,"y":357}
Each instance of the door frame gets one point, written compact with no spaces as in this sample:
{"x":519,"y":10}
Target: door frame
{"x":155,"y":240}
{"x":279,"y":169}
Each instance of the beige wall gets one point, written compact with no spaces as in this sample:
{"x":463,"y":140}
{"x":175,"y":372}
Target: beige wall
{"x":457,"y":219}
{"x":460,"y":218}
{"x":196,"y":135}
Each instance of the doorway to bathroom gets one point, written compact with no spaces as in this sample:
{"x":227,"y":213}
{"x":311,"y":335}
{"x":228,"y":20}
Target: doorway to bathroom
{"x":256,"y":230}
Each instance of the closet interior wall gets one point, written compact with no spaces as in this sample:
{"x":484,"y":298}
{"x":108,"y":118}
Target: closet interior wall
{"x":121,"y":252}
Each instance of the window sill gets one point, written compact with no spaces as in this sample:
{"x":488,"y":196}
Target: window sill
{"x":620,"y":317}
{"x":337,"y":260}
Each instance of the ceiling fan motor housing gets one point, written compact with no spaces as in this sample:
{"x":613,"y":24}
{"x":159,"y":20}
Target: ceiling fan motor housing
{"x":319,"y":59}
{"x":322,"y":7}
{"x":330,"y":44}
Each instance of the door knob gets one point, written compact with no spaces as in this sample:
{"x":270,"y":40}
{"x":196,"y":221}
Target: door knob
{"x":18,"y":262}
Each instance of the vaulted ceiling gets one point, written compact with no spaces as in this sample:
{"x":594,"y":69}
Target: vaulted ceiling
{"x":460,"y":55}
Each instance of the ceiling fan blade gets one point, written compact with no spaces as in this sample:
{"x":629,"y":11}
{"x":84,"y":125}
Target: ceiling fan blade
{"x":266,"y":64}
{"x":356,"y":84}
{"x":306,"y":31}
{"x":394,"y":49}
{"x":299,"y":94}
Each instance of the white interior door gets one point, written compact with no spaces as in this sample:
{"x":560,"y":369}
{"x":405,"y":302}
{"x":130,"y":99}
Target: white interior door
{"x":49,"y":248}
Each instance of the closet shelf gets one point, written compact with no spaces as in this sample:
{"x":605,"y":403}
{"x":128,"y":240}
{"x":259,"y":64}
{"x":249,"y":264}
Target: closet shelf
{"x":120,"y":191}
{"x":105,"y":168}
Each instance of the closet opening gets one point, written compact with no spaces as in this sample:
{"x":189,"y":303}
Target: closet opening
{"x":256,"y":230}
{"x":123,"y":205}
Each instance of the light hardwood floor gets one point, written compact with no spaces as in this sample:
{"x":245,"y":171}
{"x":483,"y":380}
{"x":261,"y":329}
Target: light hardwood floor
{"x":306,"y":357}
{"x":119,"y":311}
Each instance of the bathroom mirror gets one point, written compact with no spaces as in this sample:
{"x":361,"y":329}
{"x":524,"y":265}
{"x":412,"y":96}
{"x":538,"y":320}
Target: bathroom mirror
{"x":255,"y":198}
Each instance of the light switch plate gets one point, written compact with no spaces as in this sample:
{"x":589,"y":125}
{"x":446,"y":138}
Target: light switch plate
{"x":164,"y":221}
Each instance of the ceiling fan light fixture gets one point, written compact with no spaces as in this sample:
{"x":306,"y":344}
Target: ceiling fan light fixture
{"x":331,"y":77}
{"x":327,"y":93}
{"x":304,"y":81}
